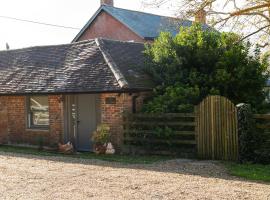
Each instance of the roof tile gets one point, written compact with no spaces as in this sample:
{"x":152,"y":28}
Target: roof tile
{"x":71,"y":68}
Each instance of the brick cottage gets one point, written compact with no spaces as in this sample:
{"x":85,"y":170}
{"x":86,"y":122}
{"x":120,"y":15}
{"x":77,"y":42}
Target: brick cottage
{"x":61,"y":93}
{"x":128,"y":25}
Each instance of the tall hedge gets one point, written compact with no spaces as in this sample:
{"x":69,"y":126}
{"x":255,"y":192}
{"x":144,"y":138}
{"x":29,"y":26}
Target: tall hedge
{"x":254,"y":142}
{"x":197,"y":63}
{"x":246,"y":133}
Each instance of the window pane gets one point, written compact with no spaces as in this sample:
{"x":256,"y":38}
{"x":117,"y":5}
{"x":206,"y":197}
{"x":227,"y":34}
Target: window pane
{"x":39,"y":111}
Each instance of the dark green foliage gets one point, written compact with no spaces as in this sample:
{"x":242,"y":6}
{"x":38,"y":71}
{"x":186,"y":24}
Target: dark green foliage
{"x":248,"y":142}
{"x":254,"y":143}
{"x":162,"y":133}
{"x":173,"y":98}
{"x":262,"y":153}
{"x":198,"y":63}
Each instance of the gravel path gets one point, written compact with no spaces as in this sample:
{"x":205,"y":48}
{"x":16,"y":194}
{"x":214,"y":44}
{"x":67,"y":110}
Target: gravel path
{"x":33,"y":177}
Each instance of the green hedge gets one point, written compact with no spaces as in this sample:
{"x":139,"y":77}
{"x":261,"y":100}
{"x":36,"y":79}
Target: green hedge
{"x":254,"y":143}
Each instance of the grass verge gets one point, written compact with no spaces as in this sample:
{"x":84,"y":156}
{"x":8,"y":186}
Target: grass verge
{"x":250,"y":171}
{"x":125,"y":159}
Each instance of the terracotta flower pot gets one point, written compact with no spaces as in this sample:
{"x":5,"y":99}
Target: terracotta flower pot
{"x":100,"y":148}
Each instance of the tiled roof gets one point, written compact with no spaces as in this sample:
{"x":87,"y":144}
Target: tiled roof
{"x":88,"y":66}
{"x":129,"y":59}
{"x":146,"y":25}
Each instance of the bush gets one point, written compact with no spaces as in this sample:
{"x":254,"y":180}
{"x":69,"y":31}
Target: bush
{"x":198,"y":63}
{"x":246,"y":133}
{"x":262,"y":154}
{"x":175,"y":98}
{"x":102,"y":134}
{"x":254,"y":143}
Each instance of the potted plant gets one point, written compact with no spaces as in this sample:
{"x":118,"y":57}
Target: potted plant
{"x":101,"y":137}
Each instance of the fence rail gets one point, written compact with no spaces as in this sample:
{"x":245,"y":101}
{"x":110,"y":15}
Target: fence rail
{"x":162,"y":115}
{"x":167,"y":128}
{"x":212,"y":130}
{"x":262,"y":121}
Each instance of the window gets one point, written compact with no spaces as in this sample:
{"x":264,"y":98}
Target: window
{"x":134,"y":104}
{"x":38,"y":112}
{"x":110,"y":100}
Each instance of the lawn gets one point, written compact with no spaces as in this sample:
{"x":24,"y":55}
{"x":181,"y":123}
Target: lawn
{"x":250,"y":171}
{"x":125,"y":159}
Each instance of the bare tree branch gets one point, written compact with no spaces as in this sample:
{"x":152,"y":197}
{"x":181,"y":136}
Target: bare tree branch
{"x":255,"y":32}
{"x":247,"y":10}
{"x":250,"y":18}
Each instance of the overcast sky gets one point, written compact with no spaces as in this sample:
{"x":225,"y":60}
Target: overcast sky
{"x":71,"y":13}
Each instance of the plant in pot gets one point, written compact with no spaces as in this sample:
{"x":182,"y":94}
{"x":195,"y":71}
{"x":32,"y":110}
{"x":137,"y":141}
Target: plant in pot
{"x":101,"y":137}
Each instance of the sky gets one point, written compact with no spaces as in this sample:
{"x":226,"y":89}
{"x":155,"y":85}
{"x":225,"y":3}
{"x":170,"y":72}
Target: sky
{"x":71,"y":13}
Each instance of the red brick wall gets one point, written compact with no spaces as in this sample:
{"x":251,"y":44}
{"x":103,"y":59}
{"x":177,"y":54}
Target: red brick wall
{"x":3,"y":120}
{"x":112,"y":114}
{"x":56,"y":119}
{"x":13,"y":122}
{"x":16,"y":122}
{"x":107,"y":26}
{"x":16,"y":119}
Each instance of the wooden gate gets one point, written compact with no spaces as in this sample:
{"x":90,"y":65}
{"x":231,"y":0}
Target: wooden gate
{"x":217,"y":136}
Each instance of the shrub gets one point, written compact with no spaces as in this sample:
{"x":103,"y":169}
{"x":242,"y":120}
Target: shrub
{"x":198,"y":63}
{"x":101,"y":135}
{"x":254,"y":143}
{"x":246,"y":133}
{"x":262,"y":154}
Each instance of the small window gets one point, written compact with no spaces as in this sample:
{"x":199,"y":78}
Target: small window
{"x":110,"y":100}
{"x":134,"y":104}
{"x":38,"y":112}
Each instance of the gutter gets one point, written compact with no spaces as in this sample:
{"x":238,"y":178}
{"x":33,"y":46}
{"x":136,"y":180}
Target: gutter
{"x":127,"y":90}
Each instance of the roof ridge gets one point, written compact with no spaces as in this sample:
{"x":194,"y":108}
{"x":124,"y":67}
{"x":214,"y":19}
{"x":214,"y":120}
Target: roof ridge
{"x":108,"y":9}
{"x":113,"y":67}
{"x":142,"y":12}
{"x":120,"y":41}
{"x":44,"y":46}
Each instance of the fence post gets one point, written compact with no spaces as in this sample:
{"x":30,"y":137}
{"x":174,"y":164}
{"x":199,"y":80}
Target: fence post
{"x":196,"y":109}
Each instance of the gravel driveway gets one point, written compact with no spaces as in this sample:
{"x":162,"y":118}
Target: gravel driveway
{"x":33,"y":177}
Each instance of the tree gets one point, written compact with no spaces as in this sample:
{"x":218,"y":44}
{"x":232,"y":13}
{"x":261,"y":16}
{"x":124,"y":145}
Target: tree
{"x":249,"y":17}
{"x":198,"y":63}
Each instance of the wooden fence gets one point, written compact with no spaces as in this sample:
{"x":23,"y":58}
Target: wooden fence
{"x":212,"y":129}
{"x":217,"y":129}
{"x":262,"y":121}
{"x":159,"y":129}
{"x":263,"y":124}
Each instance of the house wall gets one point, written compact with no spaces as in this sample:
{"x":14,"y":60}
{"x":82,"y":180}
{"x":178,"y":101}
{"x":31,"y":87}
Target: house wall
{"x":13,"y":125}
{"x":3,"y":120}
{"x":107,"y":26}
{"x":112,"y":114}
{"x":13,"y":119}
